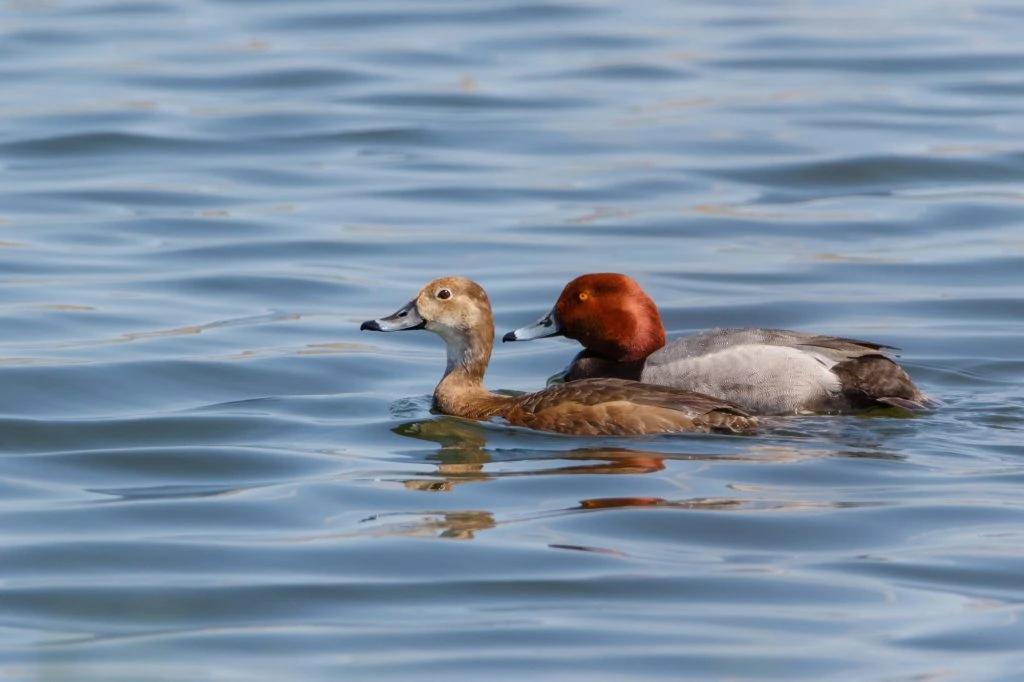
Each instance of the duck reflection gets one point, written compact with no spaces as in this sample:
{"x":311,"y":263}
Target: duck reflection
{"x":471,"y":452}
{"x":466,"y":448}
{"x":452,"y":525}
{"x":463,"y":455}
{"x":464,"y":524}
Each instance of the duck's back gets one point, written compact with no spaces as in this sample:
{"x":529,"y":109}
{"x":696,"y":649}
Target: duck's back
{"x":717,"y":340}
{"x":620,"y":407}
{"x":773,"y":371}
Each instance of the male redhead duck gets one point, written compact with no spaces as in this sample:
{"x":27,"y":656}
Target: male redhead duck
{"x":457,"y":310}
{"x":767,"y":371}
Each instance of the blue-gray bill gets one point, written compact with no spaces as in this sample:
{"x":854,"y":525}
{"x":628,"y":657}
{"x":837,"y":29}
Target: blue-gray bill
{"x":542,"y":328}
{"x":403,"y":319}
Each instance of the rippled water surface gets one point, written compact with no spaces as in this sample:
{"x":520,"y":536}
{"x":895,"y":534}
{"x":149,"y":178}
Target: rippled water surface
{"x":208,"y":472}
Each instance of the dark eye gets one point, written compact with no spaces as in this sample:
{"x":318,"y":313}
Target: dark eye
{"x":444,"y":294}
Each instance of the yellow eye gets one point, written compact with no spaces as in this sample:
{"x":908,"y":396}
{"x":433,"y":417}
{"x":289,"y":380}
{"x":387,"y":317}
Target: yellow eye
{"x":584,"y":296}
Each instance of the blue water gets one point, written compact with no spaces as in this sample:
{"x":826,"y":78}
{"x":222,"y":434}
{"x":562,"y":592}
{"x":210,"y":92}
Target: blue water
{"x":208,"y":473}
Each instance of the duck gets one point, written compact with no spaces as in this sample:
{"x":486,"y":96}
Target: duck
{"x":458,"y":310}
{"x":765,"y":371}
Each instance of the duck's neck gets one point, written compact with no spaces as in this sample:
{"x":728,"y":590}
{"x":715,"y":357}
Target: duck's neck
{"x":639,"y":332}
{"x":462,"y":395}
{"x":650,"y":338}
{"x":461,"y":391}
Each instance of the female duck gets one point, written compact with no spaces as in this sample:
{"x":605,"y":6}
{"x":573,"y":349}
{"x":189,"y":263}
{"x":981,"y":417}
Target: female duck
{"x":767,"y":371}
{"x":457,"y":310}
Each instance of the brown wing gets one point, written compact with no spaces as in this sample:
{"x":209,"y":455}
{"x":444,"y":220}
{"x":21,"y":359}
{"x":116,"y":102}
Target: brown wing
{"x":621,"y":407}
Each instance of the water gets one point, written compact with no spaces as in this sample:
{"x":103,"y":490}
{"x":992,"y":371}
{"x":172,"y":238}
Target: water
{"x":208,"y":472}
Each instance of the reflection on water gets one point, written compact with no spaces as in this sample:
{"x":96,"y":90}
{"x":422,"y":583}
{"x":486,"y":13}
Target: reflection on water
{"x":465,"y":457}
{"x":464,"y":454}
{"x":458,"y":525}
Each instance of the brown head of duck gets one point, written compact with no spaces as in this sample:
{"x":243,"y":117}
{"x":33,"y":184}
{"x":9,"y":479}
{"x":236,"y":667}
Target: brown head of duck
{"x":458,"y":310}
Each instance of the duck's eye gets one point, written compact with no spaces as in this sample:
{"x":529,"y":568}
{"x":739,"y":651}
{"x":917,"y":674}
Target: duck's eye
{"x":583,"y":295}
{"x":444,"y":294}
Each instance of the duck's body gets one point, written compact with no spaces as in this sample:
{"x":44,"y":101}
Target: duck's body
{"x":605,"y":407}
{"x":766,"y":371}
{"x":457,"y":309}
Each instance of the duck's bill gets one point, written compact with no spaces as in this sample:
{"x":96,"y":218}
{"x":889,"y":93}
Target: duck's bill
{"x":401,"y":320}
{"x":542,"y":328}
